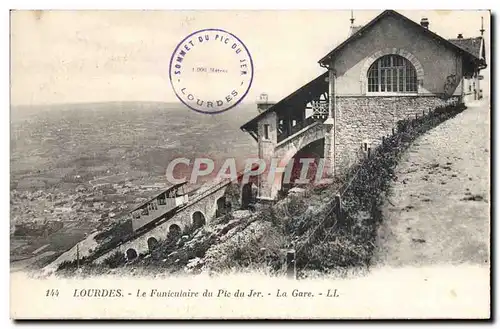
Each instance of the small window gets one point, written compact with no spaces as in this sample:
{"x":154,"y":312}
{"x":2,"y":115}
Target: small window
{"x":266,"y":131}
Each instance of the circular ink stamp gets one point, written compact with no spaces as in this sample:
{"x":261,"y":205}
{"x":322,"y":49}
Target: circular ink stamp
{"x":211,"y":71}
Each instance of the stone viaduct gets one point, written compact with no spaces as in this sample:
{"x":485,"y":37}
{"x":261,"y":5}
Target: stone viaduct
{"x":195,"y":213}
{"x":203,"y":206}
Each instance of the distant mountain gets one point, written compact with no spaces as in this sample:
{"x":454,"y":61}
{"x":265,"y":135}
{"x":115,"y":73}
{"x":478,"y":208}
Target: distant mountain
{"x":245,"y":110}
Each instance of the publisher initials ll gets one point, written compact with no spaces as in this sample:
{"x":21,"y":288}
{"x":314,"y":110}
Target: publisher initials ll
{"x":332,"y":293}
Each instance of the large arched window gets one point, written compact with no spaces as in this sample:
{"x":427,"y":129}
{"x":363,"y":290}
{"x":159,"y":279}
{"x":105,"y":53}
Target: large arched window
{"x":392,"y":74}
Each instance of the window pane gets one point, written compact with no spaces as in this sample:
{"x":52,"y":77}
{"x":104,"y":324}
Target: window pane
{"x":384,"y":61}
{"x":389,"y":81}
{"x":411,"y":79}
{"x":394,"y":80}
{"x":382,"y":80}
{"x":401,"y":79}
{"x":373,"y":78}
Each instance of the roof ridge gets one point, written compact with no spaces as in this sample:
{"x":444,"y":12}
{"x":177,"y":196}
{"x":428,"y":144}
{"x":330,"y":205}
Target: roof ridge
{"x":395,"y":13}
{"x":466,"y":38}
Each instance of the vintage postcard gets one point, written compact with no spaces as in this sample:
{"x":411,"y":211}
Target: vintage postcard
{"x":250,"y":164}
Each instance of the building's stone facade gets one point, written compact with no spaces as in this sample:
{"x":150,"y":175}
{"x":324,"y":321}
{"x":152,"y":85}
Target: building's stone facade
{"x":364,"y":119}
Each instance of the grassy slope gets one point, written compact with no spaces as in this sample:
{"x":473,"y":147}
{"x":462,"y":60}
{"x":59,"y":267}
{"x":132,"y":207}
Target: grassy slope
{"x":426,"y":219}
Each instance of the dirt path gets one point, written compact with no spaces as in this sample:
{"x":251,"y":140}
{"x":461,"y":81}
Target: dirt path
{"x":438,"y":212}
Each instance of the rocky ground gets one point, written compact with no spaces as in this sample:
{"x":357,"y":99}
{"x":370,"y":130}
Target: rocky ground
{"x":216,"y":247}
{"x":439,"y":210}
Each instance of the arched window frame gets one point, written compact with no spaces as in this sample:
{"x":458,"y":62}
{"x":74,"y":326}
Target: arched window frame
{"x":392,"y":74}
{"x":391,"y":51}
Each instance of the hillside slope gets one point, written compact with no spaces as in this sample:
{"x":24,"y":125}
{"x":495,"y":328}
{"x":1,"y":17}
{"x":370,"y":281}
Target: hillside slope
{"x":438,"y":212}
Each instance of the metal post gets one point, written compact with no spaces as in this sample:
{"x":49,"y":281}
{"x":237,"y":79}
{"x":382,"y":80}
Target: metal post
{"x":331,"y":93}
{"x":338,"y":206}
{"x":291,"y":271}
{"x":369,"y":152}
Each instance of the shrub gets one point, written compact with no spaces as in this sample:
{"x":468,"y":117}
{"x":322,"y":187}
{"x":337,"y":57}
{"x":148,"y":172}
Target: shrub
{"x":188,"y":229}
{"x":71,"y":265}
{"x":118,"y":230}
{"x":65,"y":265}
{"x":115,"y":260}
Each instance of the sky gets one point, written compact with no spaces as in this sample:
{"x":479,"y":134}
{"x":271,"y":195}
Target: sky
{"x":99,"y":56}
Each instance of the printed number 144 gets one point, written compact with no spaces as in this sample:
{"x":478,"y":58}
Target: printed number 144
{"x":52,"y":293}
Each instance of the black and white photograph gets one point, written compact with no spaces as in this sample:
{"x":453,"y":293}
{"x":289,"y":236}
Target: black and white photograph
{"x":250,"y":164}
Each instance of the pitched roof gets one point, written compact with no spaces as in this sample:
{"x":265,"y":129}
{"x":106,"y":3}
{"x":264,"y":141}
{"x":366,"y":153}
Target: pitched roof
{"x":324,"y":60}
{"x":471,"y":45}
{"x":313,"y":84}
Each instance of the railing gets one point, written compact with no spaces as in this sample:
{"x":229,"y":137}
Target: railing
{"x":298,"y":127}
{"x":210,"y":189}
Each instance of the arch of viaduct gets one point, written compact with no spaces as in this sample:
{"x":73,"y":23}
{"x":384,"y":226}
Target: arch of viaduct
{"x":197,"y":213}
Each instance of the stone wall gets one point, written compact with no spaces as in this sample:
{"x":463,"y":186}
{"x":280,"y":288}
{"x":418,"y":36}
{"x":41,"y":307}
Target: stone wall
{"x":364,"y":119}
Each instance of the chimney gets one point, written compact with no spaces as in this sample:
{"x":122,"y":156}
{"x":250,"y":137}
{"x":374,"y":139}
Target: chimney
{"x":424,"y":22}
{"x":263,"y":103}
{"x":460,"y":36}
